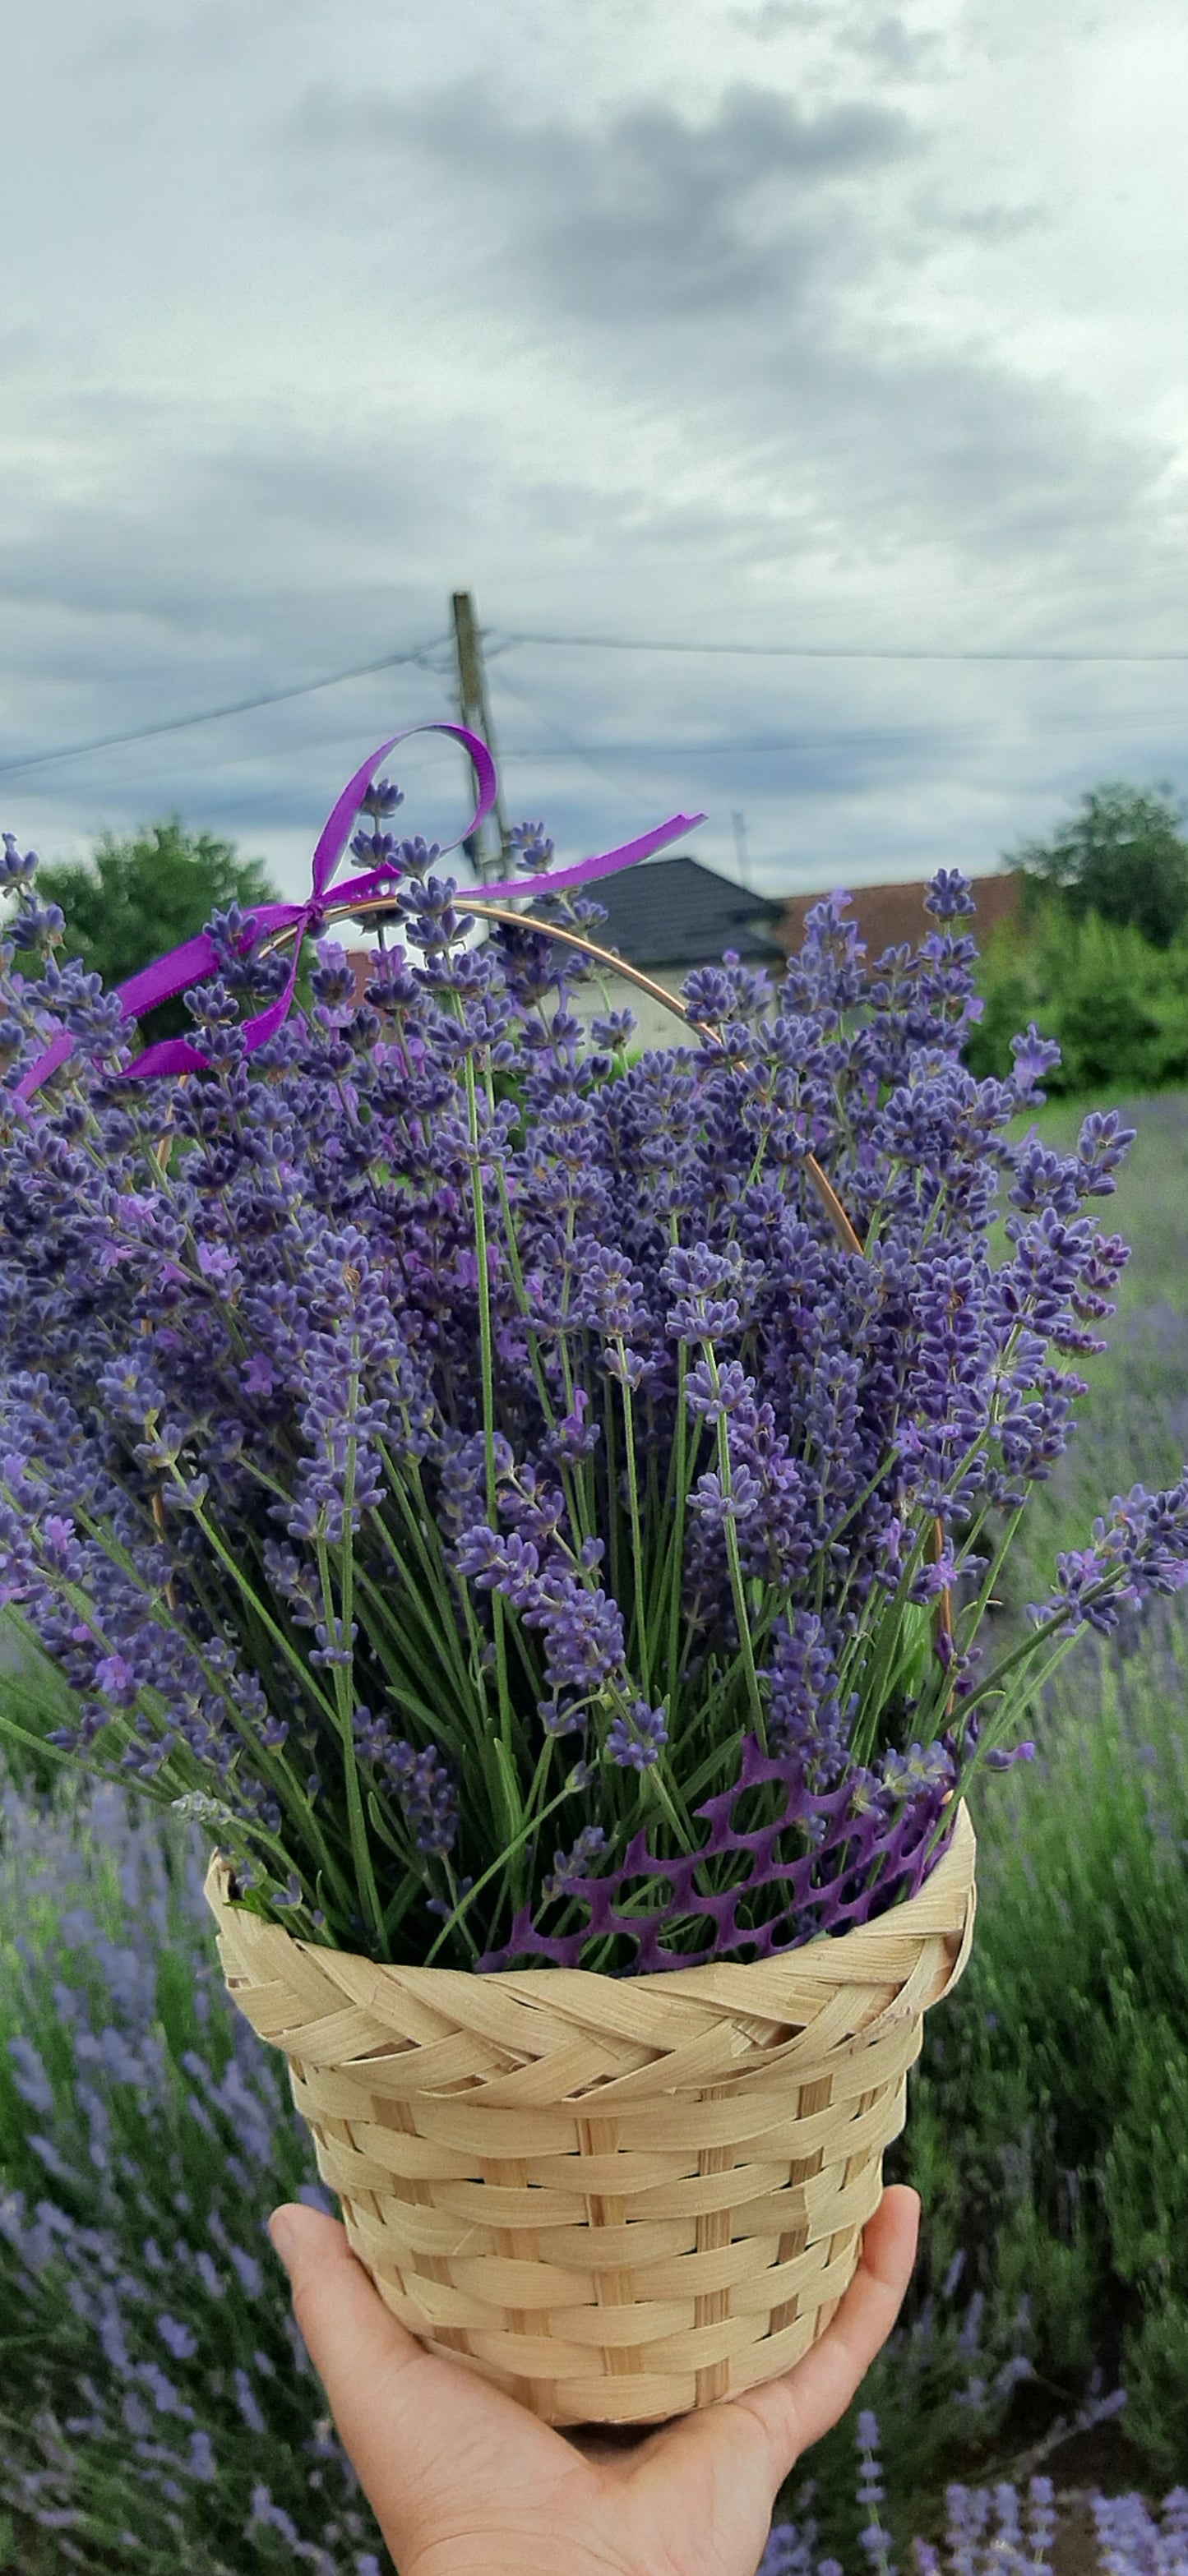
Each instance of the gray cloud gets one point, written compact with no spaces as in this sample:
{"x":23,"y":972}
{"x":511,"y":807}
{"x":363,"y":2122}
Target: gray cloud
{"x":708,"y":324}
{"x":891,"y":45}
{"x":695,"y":220}
{"x":727,"y":262}
{"x":897,"y":49}
{"x":779,"y":17}
{"x":644,"y":215}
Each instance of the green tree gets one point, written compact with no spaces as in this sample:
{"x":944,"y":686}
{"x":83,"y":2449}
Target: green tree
{"x":1122,"y":856}
{"x":137,"y":898}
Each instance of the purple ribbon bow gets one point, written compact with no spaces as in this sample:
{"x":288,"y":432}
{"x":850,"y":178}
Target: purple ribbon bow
{"x":196,"y":957}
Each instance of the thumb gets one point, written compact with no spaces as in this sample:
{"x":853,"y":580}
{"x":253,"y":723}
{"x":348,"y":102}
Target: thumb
{"x":797,"y":2409}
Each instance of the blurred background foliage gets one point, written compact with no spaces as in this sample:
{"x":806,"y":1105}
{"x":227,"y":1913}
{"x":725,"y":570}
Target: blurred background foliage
{"x":134,"y":899}
{"x":1099,"y":956}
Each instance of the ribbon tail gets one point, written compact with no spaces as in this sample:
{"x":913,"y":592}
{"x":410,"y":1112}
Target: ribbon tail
{"x":159,"y":982}
{"x":607,"y":863}
{"x":256,"y":1032}
{"x":42,"y":1067}
{"x":170,"y":1055}
{"x":198,"y":956}
{"x":166,"y":976}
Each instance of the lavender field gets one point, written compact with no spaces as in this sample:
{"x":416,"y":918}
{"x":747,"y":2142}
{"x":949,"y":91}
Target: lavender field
{"x":156,"y":2411}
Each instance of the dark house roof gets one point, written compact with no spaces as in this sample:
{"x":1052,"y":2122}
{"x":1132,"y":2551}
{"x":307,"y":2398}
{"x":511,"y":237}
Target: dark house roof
{"x":675,"y":912}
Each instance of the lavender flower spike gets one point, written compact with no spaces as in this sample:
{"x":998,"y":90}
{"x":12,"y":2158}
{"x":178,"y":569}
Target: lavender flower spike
{"x":473,"y":1471}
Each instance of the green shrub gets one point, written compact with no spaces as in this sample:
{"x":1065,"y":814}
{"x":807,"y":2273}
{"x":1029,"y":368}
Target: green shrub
{"x":134,"y":899}
{"x":1117,"y":1004}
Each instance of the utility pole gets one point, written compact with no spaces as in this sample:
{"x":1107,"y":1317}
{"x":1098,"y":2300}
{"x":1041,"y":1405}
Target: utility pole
{"x":739,"y":820}
{"x":488,"y":861}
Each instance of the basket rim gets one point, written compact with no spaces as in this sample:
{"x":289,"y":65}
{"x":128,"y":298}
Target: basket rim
{"x":943,"y":1905}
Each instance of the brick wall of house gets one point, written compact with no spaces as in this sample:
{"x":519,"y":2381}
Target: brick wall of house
{"x":887,"y":915}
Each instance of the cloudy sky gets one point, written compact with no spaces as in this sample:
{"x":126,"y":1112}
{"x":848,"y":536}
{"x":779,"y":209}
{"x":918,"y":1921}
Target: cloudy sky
{"x":738,"y":323}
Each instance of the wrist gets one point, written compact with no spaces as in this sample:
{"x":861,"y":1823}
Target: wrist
{"x":490,"y":2558}
{"x":495,"y":2553}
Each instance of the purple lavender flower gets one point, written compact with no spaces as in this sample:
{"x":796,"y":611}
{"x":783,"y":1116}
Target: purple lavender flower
{"x":589,"y":1848}
{"x":428,"y":1795}
{"x":873,"y":2539}
{"x":111,"y":2277}
{"x":433,"y":1414}
{"x":1034,"y":1057}
{"x":637,"y":1736}
{"x":949,"y":893}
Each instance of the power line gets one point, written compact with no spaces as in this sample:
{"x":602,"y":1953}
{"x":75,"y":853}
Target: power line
{"x":569,"y":749}
{"x":212,"y":715}
{"x":833,"y":652}
{"x":505,"y":641}
{"x":843,"y":738}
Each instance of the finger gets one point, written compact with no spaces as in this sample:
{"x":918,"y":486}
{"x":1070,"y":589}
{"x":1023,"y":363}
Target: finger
{"x":359,"y":2351}
{"x":796,"y":2410}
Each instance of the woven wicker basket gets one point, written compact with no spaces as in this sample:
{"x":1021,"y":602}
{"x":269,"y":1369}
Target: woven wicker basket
{"x":618,"y":2198}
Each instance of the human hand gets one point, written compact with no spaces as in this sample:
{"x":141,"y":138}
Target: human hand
{"x":465,"y":2482}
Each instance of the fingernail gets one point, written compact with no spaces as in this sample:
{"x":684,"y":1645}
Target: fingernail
{"x":280,"y":2229}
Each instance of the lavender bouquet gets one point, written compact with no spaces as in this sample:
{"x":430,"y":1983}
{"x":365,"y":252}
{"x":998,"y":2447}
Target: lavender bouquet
{"x":538,"y":1503}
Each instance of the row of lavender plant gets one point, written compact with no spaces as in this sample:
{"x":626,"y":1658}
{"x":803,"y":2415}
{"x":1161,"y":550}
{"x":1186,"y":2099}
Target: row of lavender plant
{"x":1049,"y":2126}
{"x":468,"y":1468}
{"x":158,"y":2407}
{"x":163,"y":2412}
{"x":1008,"y":2529}
{"x":159,"y":2410}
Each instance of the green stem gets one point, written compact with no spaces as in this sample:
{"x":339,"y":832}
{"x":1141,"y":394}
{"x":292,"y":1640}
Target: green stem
{"x":271,"y":1626}
{"x":613,"y":1511}
{"x":742,"y":1611}
{"x":528,"y":1827}
{"x":487,"y":1364}
{"x":344,"y":1714}
{"x":874,"y":1685}
{"x":676,"y":1561}
{"x":641,"y":1623}
{"x":451,"y":1642}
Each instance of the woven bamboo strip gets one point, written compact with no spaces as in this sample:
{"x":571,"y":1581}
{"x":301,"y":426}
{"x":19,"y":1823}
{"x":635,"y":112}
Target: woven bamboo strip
{"x":616,"y":2198}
